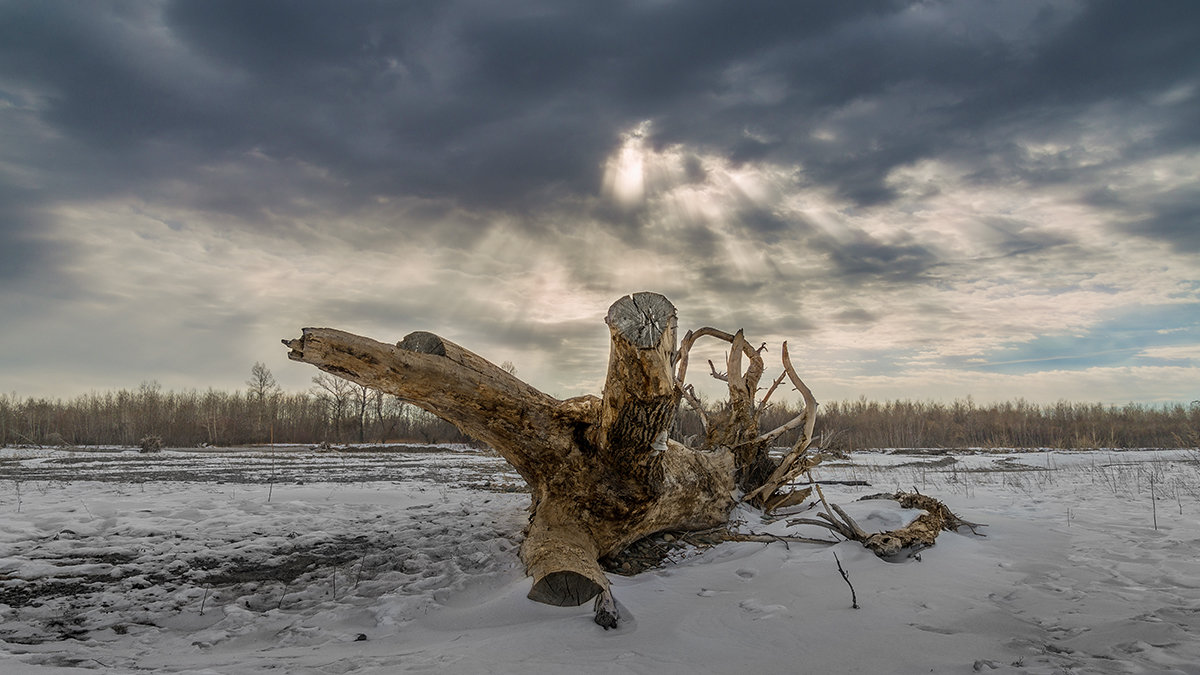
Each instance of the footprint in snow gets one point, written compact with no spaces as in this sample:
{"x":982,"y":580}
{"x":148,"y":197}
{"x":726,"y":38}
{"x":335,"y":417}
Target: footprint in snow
{"x":758,"y":610}
{"x":746,"y":572}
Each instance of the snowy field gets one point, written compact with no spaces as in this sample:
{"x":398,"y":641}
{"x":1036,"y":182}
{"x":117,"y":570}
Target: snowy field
{"x":297,"y":561}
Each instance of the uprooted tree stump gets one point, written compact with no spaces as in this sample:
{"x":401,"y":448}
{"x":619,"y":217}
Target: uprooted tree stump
{"x":602,"y":471}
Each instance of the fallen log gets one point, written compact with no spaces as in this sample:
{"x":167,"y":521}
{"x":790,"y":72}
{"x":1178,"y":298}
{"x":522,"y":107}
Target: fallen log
{"x":602,"y":470}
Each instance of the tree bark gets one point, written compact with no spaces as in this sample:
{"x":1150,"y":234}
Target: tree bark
{"x":639,"y":400}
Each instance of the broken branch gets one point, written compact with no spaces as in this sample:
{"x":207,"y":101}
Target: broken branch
{"x":846,"y":576}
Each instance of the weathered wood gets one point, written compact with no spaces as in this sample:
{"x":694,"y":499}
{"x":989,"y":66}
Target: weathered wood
{"x":921,"y":532}
{"x":782,"y":500}
{"x":639,"y":400}
{"x":736,"y":425}
{"x":561,"y":557}
{"x":532,"y":430}
{"x":602,"y":471}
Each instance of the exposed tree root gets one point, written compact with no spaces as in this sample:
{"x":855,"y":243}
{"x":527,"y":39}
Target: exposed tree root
{"x":610,"y":491}
{"x":920,"y":533}
{"x":656,"y":550}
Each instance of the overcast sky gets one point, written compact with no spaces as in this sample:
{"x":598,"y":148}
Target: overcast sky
{"x":928,"y":200}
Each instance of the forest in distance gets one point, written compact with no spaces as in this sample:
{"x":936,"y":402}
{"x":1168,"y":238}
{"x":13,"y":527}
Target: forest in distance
{"x":336,"y":411}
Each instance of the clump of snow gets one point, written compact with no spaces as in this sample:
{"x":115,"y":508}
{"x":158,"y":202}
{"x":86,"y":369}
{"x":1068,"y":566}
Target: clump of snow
{"x":378,"y":562}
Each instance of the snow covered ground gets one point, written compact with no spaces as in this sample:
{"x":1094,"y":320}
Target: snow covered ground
{"x":379,"y":562}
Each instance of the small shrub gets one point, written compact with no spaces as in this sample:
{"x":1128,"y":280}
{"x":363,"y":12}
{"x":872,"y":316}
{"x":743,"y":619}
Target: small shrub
{"x":152,"y":443}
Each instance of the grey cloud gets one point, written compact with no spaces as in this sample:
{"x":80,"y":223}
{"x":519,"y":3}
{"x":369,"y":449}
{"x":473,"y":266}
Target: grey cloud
{"x":1114,"y":50}
{"x":270,"y":111}
{"x":516,"y":105}
{"x":27,"y":257}
{"x":21,"y":256}
{"x":769,"y":227}
{"x":866,"y":258}
{"x":1007,"y":237}
{"x":855,"y":316}
{"x":1176,"y":219}
{"x":1174,"y":216}
{"x":524,"y":100}
{"x":717,"y":274}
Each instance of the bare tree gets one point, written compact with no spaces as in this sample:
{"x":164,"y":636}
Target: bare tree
{"x":149,"y":415}
{"x":261,"y":383}
{"x":377,"y":406}
{"x":335,"y":393}
{"x":361,"y":397}
{"x":8,"y":407}
{"x":213,"y":417}
{"x":263,"y":394}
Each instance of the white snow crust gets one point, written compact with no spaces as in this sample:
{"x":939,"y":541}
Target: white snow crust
{"x":383,"y":562}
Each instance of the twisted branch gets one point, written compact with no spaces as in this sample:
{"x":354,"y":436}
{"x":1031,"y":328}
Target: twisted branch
{"x":795,"y":462}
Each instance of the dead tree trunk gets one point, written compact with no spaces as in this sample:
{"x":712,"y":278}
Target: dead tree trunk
{"x":602,"y":470}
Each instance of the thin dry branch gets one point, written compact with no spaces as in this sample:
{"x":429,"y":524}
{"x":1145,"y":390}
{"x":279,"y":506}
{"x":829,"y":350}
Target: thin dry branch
{"x":846,"y":576}
{"x":685,"y":348}
{"x":820,"y":493}
{"x":828,"y":524}
{"x":762,"y":405}
{"x":783,"y":428}
{"x":724,"y":377}
{"x":859,"y":533}
{"x":769,"y":538}
{"x":810,"y":401}
{"x":689,"y":338}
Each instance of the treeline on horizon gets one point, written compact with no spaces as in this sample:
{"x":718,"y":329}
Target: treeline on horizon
{"x":341,"y":413}
{"x":337,"y":412}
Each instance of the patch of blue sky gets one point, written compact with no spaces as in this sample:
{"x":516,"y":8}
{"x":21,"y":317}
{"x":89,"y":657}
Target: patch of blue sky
{"x":1142,"y":336}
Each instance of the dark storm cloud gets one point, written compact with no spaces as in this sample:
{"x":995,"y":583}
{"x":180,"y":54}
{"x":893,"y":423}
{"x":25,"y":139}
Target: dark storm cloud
{"x":1110,"y":51}
{"x":514,"y":107}
{"x":1172,"y":215}
{"x":483,"y":104}
{"x":1176,"y":218}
